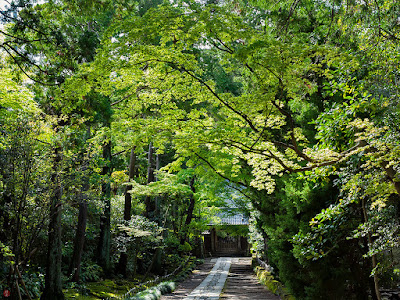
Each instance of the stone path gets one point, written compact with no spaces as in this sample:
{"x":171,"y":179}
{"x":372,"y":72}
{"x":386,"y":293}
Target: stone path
{"x":214,"y":276}
{"x":242,"y":284}
{"x":212,"y":286}
{"x":197,"y":276}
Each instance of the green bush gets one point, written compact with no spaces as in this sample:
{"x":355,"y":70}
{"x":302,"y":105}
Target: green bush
{"x":155,"y":292}
{"x":90,"y":272}
{"x":274,"y":286}
{"x":186,"y":248}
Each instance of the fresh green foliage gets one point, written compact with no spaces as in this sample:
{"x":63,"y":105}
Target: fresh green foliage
{"x":287,"y":109}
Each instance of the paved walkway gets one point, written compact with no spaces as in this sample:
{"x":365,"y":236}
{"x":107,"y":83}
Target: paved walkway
{"x":212,"y":286}
{"x":242,"y":284}
{"x":222,"y":278}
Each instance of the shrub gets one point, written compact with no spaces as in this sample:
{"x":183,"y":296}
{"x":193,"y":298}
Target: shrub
{"x":274,"y":286}
{"x":155,"y":292}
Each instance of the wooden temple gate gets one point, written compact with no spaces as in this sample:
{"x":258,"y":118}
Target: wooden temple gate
{"x":218,"y":242}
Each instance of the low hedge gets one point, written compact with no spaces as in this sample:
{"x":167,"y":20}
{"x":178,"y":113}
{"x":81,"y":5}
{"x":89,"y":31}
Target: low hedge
{"x":274,"y":286}
{"x":155,"y":292}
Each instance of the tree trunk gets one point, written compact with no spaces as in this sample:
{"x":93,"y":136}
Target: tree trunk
{"x":149,"y":202}
{"x":79,"y":241}
{"x":192,"y":203}
{"x":53,"y":284}
{"x":128,"y":196}
{"x":5,"y":219}
{"x":151,"y":208}
{"x":80,"y":234}
{"x":123,"y":259}
{"x":189,"y":214}
{"x":154,"y":266}
{"x":158,"y":198}
{"x":103,"y":249}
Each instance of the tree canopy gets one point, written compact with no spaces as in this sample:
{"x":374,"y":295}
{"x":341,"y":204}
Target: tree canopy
{"x":139,"y":116}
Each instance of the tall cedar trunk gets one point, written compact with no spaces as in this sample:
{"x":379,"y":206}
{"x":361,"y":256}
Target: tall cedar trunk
{"x":189,"y":214}
{"x":149,"y":202}
{"x":123,"y":259}
{"x":80,"y":234}
{"x":79,"y":241}
{"x":53,"y":284}
{"x":103,"y":249}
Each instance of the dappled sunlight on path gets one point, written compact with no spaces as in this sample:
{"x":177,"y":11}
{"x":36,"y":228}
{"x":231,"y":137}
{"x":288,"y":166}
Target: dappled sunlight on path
{"x":212,"y":286}
{"x":242,"y":284}
{"x":229,"y":279}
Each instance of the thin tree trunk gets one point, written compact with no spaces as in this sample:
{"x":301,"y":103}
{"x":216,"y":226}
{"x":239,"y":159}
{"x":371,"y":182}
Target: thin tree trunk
{"x":149,"y":202}
{"x":53,"y":284}
{"x":192,"y":203}
{"x":79,"y":241}
{"x":123,"y":259}
{"x":103,"y":250}
{"x":153,"y":264}
{"x":189,"y":214}
{"x":135,"y":258}
{"x":80,"y":234}
{"x":128,"y":196}
{"x":158,"y":198}
{"x":151,"y":208}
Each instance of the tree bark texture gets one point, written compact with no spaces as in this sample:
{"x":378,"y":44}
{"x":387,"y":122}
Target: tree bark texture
{"x":53,"y":283}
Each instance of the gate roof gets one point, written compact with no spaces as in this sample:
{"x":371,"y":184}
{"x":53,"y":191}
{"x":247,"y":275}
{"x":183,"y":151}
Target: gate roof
{"x":229,"y":216}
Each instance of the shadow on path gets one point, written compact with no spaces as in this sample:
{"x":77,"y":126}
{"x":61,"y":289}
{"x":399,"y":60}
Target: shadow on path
{"x":241,"y":283}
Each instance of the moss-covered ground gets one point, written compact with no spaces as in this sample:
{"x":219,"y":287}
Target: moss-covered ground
{"x":100,"y":290}
{"x":116,"y":288}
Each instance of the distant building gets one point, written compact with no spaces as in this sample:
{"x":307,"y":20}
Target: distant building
{"x":227,"y":234}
